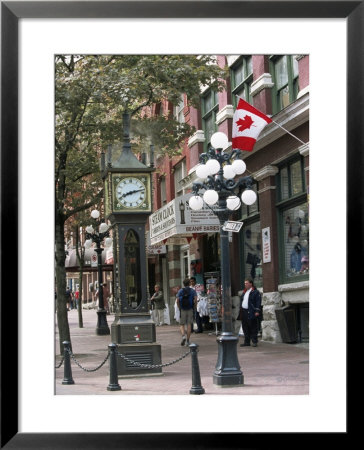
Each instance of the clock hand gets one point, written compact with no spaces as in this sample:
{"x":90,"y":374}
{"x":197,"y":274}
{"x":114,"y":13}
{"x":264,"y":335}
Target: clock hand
{"x":132,"y":192}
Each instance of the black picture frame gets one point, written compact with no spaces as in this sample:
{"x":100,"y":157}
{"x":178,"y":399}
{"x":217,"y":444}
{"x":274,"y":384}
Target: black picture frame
{"x":11,"y":12}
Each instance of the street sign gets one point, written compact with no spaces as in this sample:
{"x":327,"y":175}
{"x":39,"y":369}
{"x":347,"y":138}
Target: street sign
{"x":94,"y":260}
{"x":232,"y":226}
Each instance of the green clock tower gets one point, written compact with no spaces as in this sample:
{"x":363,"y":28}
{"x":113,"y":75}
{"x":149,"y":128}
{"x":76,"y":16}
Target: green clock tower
{"x":128,"y":203}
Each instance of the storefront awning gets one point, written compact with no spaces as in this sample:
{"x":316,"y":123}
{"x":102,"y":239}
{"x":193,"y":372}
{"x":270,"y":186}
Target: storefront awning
{"x":90,"y":258}
{"x":176,"y":221}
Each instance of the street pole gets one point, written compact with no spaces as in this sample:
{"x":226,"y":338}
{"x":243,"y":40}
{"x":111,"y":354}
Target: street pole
{"x":102,"y":327}
{"x":97,"y":236}
{"x":227,"y":369}
{"x":218,"y":171}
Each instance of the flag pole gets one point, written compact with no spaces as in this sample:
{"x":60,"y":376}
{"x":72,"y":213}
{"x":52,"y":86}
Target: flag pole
{"x":280,"y":126}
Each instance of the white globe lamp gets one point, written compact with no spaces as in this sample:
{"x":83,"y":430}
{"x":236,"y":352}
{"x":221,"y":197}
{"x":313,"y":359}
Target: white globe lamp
{"x":103,"y":227}
{"x":195,"y":202}
{"x":219,"y":140}
{"x":238,"y":166}
{"x":90,"y":229}
{"x":95,"y":214}
{"x":229,"y":172}
{"x":210,"y":197}
{"x":213,"y":166}
{"x":202,"y":171}
{"x":233,"y":202}
{"x":249,"y":197}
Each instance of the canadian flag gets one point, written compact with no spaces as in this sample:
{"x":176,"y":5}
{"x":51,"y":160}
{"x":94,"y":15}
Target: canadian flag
{"x":248,"y":122}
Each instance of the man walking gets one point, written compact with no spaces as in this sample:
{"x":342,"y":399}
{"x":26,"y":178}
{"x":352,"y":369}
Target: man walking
{"x":186,"y":301}
{"x":249,"y":313}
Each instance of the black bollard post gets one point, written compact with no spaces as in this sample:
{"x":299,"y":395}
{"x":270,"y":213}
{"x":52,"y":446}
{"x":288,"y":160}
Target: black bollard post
{"x":196,"y":380}
{"x":113,"y":381}
{"x":67,"y":377}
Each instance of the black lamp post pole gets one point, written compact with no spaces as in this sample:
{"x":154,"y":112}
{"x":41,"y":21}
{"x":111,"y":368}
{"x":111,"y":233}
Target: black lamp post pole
{"x":227,"y":370}
{"x":102,"y":327}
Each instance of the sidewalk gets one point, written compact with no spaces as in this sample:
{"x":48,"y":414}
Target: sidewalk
{"x":268,"y":369}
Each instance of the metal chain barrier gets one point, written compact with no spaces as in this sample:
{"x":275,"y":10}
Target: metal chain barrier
{"x":113,"y":353}
{"x":57,"y":367}
{"x":83,"y":368}
{"x":152,"y":366}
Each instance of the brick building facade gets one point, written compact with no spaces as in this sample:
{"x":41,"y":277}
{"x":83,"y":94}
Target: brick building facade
{"x":278,"y":85}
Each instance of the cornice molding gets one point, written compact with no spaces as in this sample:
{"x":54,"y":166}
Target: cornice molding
{"x":264,"y":81}
{"x":227,"y":112}
{"x":265,"y":172}
{"x":199,"y":136}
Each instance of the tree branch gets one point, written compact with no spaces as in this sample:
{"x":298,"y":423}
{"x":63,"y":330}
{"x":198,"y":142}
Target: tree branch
{"x":85,"y":206}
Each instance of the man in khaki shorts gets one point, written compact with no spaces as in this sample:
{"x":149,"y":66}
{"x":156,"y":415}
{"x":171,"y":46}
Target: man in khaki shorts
{"x":186,"y":300}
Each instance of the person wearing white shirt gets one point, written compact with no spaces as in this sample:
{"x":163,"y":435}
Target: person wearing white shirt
{"x":249,"y":313}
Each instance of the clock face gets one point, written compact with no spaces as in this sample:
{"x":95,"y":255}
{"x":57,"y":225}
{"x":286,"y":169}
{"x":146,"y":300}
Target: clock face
{"x":131,"y":192}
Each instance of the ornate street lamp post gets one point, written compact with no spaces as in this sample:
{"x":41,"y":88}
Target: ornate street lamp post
{"x":218,"y":171}
{"x":97,"y":235}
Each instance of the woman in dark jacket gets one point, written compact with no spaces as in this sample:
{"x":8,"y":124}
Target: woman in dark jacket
{"x":249,"y":313}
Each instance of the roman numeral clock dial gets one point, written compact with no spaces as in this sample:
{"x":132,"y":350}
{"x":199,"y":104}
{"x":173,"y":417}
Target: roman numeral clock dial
{"x":131,"y":193}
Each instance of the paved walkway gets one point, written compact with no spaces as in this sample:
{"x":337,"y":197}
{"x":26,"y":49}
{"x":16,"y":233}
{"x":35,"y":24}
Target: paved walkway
{"x":268,"y":368}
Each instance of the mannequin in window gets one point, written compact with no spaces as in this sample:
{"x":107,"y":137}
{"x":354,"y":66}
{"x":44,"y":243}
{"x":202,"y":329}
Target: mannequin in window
{"x":296,"y":257}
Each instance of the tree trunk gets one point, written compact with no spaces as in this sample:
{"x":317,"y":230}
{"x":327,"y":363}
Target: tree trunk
{"x":80,"y":253}
{"x":80,"y":297}
{"x":62,"y":317}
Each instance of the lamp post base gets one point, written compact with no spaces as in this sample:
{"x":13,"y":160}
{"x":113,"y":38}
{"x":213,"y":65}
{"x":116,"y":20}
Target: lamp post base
{"x":102,"y":328}
{"x":227,"y":371}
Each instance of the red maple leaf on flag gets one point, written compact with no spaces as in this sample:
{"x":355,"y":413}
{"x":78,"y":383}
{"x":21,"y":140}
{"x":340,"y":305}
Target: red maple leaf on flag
{"x":245,"y":123}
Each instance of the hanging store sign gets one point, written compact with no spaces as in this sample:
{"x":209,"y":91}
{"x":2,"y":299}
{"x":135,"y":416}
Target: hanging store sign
{"x":266,"y":245}
{"x":157,"y":249}
{"x":179,"y":220}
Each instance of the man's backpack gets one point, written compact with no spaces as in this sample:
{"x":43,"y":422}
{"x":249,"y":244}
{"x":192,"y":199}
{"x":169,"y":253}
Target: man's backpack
{"x":185,"y":300}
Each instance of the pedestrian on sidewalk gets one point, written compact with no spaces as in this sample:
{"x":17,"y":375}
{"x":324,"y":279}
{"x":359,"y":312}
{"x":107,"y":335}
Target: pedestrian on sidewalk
{"x":249,"y":313}
{"x":68,"y":298}
{"x":158,"y":300}
{"x":192,"y":285}
{"x":77,"y":296}
{"x":186,"y":299}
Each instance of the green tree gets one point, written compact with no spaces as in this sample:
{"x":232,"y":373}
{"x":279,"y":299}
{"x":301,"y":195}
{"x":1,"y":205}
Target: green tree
{"x":91,"y":94}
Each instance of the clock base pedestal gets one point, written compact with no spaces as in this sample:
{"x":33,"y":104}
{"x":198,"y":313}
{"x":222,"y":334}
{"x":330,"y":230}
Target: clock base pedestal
{"x":145,"y":354}
{"x":135,"y":338}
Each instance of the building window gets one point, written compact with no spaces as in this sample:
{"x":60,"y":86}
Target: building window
{"x":209,"y":108}
{"x":178,"y":111}
{"x":291,"y":180}
{"x":293,"y":226}
{"x":241,"y":79}
{"x":296,"y":240}
{"x":252,"y":253}
{"x":284,"y":70}
{"x":179,"y":174}
{"x":163,"y":191}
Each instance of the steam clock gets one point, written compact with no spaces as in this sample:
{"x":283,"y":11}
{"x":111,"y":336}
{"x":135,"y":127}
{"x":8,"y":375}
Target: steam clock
{"x":128,"y":203}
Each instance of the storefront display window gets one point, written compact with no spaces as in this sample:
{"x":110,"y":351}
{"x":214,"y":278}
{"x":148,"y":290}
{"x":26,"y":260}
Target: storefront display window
{"x":252,"y":253}
{"x":296,"y":241}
